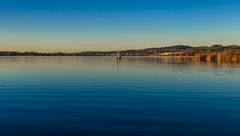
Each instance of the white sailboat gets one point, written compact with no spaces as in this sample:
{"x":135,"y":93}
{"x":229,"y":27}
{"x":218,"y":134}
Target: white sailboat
{"x":118,"y":57}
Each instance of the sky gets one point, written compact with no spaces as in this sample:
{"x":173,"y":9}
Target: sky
{"x":83,"y":25}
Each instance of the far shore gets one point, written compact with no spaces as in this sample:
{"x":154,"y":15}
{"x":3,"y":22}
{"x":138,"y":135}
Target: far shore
{"x":217,"y":53}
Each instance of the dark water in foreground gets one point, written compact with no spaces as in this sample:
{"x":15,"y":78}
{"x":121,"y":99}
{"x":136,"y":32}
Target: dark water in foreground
{"x":95,"y":96}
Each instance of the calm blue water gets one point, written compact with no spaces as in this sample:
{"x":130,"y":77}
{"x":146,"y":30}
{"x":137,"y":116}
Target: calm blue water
{"x":96,"y":96}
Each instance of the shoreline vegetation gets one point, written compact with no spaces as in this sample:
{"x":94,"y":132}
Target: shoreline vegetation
{"x":215,"y":53}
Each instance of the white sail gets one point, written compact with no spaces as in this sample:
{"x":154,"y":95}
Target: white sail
{"x":118,"y":55}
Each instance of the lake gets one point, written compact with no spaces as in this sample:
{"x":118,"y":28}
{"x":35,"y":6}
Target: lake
{"x":137,"y":96}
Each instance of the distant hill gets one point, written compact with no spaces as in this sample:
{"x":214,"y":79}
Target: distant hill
{"x":232,"y":47}
{"x":182,"y":49}
{"x":170,"y":48}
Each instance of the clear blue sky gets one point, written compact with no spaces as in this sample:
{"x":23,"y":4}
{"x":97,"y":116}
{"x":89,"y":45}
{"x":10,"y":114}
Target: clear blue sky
{"x":77,"y":25}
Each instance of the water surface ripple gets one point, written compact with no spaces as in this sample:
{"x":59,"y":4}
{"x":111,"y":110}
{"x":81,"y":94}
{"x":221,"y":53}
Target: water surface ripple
{"x":97,"y":96}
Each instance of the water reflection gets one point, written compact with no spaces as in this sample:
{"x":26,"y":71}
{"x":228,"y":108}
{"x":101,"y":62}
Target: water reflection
{"x":151,"y":61}
{"x":155,"y":59}
{"x":136,"y":96}
{"x":74,"y":64}
{"x":179,"y":60}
